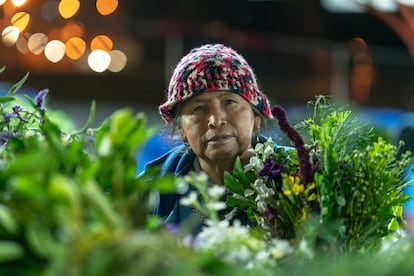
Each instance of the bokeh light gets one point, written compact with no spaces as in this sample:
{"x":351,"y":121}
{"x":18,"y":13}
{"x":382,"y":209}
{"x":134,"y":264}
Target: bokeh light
{"x":18,"y":3}
{"x":57,"y":40}
{"x":10,"y":35}
{"x":118,"y":61}
{"x":99,"y":60}
{"x":37,"y":43}
{"x":75,"y":47}
{"x":20,"y":20}
{"x":55,"y":50}
{"x":101,"y":42}
{"x":73,"y":29}
{"x":21,"y":45}
{"x":68,"y":8}
{"x":106,"y":7}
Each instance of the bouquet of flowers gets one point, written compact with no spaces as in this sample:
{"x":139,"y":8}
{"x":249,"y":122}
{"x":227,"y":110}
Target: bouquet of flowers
{"x":340,"y":190}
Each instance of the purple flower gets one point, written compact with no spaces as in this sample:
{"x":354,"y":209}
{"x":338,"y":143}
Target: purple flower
{"x":7,"y":116}
{"x":16,"y":110}
{"x":269,"y":213}
{"x":40,"y":99}
{"x":5,"y":136}
{"x":172,"y":228}
{"x":306,"y":170}
{"x":272,"y":170}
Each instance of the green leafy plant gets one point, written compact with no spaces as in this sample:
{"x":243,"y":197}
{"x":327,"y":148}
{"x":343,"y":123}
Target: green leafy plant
{"x":71,"y":203}
{"x":341,"y":190}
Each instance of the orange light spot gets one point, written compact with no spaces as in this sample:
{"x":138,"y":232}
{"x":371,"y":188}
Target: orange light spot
{"x":106,"y":7}
{"x":68,"y":8}
{"x":75,"y":47}
{"x":101,"y":42}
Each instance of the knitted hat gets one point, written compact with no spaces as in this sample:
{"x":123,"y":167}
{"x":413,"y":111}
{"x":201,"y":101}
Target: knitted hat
{"x":213,"y":68}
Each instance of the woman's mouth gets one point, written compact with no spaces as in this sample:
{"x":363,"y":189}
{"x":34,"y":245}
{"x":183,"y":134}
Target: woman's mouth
{"x":219,"y":138}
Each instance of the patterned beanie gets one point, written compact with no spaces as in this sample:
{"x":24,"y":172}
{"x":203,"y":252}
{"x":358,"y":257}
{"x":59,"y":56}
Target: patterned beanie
{"x":213,"y":68}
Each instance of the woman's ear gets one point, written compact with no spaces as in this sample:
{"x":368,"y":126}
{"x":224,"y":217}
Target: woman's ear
{"x":257,"y":122}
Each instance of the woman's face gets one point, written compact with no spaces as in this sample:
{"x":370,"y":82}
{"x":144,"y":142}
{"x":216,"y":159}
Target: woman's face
{"x":218,"y":125}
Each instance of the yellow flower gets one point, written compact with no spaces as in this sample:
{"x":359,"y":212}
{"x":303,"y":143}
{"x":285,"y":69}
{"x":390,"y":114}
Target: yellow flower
{"x":298,"y":188}
{"x":294,"y":179}
{"x":287,"y":192}
{"x":312,"y":197}
{"x":311,"y":186}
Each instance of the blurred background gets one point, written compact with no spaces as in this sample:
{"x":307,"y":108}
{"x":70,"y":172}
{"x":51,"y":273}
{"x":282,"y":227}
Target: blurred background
{"x":121,"y":54}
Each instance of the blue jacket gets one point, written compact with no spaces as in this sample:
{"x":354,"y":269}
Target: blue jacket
{"x":178,"y":161}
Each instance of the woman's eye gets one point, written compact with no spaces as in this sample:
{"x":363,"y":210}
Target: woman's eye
{"x":229,"y":101}
{"x":199,"y":108}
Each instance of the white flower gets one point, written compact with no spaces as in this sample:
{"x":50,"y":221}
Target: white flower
{"x":261,"y":206}
{"x":260,"y":187}
{"x":216,"y":191}
{"x":254,"y":164}
{"x":280,"y":248}
{"x":269,"y":149}
{"x":248,"y":192}
{"x":217,"y":206}
{"x":189,"y":200}
{"x":181,"y":185}
{"x":200,"y":177}
{"x":259,"y":147}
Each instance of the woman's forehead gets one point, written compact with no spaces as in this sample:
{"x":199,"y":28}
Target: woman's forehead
{"x":213,"y":95}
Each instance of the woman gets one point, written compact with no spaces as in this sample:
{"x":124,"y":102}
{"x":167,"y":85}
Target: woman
{"x":216,"y":106}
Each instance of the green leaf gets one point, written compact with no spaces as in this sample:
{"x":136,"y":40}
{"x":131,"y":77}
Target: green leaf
{"x":30,"y":100}
{"x":164,"y":184}
{"x":10,"y":251}
{"x":91,"y":117}
{"x":30,"y":162}
{"x":6,"y":99}
{"x":17,"y":85}
{"x":233,"y":184}
{"x":96,"y":196}
{"x":340,"y":200}
{"x":394,"y":225}
{"x":2,"y":69}
{"x":7,"y":220}
{"x":240,"y":202}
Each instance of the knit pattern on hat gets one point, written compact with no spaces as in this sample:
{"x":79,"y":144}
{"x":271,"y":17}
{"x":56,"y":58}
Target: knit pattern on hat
{"x":213,"y":67}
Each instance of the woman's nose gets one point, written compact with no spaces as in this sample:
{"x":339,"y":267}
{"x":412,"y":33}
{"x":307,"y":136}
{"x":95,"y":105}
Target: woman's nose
{"x":216,"y":118}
